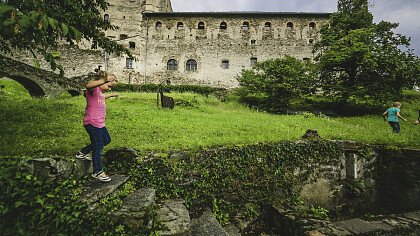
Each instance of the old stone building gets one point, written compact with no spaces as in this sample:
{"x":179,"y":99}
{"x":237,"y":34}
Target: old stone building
{"x":207,"y":48}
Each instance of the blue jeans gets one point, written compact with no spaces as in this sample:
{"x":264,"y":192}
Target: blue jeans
{"x":395,"y":126}
{"x":99,"y":138}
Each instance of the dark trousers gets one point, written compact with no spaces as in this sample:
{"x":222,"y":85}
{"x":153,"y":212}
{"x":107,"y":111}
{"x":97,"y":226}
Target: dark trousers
{"x":99,"y":137}
{"x":395,"y":126}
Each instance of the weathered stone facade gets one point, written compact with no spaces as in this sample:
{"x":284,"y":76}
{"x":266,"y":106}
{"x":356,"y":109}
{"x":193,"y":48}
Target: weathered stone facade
{"x":209,"y":48}
{"x":203,"y":48}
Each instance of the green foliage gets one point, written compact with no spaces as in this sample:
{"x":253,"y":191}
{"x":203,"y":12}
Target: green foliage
{"x":39,"y":25}
{"x":319,"y":212}
{"x":220,"y":215}
{"x":362,"y":63}
{"x":150,"y":88}
{"x":271,"y":84}
{"x":236,"y":179}
{"x":33,"y":206}
{"x":30,"y":205}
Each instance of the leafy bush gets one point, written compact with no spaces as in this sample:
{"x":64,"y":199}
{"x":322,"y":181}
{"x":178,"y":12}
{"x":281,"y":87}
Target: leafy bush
{"x":272,"y":84}
{"x":150,"y":88}
{"x":33,"y":206}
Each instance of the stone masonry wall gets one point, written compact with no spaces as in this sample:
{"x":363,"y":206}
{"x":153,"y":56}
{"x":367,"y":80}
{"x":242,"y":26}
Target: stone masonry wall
{"x":210,"y":46}
{"x":153,"y":33}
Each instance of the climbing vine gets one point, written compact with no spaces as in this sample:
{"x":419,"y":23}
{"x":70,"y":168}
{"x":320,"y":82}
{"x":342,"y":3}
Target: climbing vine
{"x":242,"y":177}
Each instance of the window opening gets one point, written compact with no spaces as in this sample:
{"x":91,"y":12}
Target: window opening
{"x":191,"y":65}
{"x":129,"y":63}
{"x":201,"y":25}
{"x":132,"y":45}
{"x":289,"y":25}
{"x":180,"y":25}
{"x":123,"y":36}
{"x":312,"y":26}
{"x":245,"y":26}
{"x":172,"y":64}
{"x":253,"y":42}
{"x":223,"y":25}
{"x":106,"y":18}
{"x":158,"y":25}
{"x":253,"y":61}
{"x":267,"y":26}
{"x":225,"y":64}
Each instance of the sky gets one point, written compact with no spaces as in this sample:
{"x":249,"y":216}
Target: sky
{"x":404,"y":12}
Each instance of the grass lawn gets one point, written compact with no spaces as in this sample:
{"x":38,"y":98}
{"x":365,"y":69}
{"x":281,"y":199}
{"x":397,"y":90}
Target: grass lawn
{"x":34,"y":127}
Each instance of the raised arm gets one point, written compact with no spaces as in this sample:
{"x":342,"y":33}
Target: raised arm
{"x":96,"y":83}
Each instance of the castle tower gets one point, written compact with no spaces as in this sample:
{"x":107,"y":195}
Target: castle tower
{"x":157,"y":6}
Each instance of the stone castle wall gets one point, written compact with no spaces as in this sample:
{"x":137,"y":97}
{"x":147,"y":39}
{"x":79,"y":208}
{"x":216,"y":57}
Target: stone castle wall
{"x":155,"y":37}
{"x":266,"y":37}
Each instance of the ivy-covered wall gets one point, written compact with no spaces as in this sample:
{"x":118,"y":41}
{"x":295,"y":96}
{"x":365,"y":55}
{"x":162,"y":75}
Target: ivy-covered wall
{"x":399,"y":182}
{"x":316,"y":175}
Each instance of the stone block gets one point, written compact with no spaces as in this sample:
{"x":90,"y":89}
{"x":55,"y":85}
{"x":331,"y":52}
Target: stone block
{"x":207,"y":224}
{"x":175,"y":217}
{"x":360,"y":227}
{"x":136,"y":208}
{"x":96,"y":190}
{"x":52,"y":168}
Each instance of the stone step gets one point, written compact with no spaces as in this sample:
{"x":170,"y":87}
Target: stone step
{"x":136,"y":208}
{"x":55,"y":167}
{"x":173,"y":214}
{"x":208,"y":225}
{"x":96,"y":190}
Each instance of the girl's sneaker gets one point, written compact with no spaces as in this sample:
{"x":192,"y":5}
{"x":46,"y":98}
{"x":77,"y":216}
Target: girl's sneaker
{"x":81,"y":155}
{"x":101,"y":176}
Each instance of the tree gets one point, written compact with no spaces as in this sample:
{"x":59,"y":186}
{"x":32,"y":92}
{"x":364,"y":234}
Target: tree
{"x":361,"y":62}
{"x":40,"y":25}
{"x":272,"y":84}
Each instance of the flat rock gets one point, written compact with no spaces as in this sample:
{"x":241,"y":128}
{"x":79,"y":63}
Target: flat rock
{"x":415,"y":215}
{"x":136,"y":208}
{"x":359,"y":226}
{"x":208,"y":225}
{"x":232,"y":230}
{"x":175,"y":217}
{"x":95,"y":189}
{"x":52,"y":168}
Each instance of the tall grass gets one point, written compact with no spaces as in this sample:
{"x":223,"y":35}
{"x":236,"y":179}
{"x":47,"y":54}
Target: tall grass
{"x":54,"y":126}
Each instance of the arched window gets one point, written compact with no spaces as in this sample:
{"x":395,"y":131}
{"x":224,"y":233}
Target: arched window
{"x":180,"y":25}
{"x":172,"y":65}
{"x":245,"y":26}
{"x":267,"y":26}
{"x":223,"y":25}
{"x":225,"y":64}
{"x":158,"y":25}
{"x":289,"y":25}
{"x":106,"y":18}
{"x":312,"y":26}
{"x":191,"y":65}
{"x":201,"y":25}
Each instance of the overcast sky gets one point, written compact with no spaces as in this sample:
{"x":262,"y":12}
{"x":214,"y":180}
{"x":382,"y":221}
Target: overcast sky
{"x":404,"y":12}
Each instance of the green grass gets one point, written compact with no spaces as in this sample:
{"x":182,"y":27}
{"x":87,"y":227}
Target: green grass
{"x":34,"y":127}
